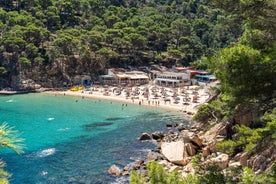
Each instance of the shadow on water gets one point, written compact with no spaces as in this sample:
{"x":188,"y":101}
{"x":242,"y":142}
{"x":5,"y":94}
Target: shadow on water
{"x":92,"y":126}
{"x":114,"y":119}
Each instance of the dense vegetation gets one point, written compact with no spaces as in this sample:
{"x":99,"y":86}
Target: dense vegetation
{"x":210,"y":175}
{"x":51,"y":41}
{"x":246,"y":71}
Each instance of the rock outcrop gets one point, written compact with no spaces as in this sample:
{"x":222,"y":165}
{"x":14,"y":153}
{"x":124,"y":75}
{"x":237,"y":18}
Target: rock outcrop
{"x":263,"y":160}
{"x":21,"y":84}
{"x":191,"y":137}
{"x":180,"y":151}
{"x":247,"y":114}
{"x":175,"y":152}
{"x":221,"y":161}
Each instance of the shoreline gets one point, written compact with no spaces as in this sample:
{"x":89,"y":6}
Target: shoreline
{"x":110,"y":98}
{"x":181,"y":105}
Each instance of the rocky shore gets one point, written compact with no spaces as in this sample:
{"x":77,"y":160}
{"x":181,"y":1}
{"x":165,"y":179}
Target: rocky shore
{"x":176,"y":149}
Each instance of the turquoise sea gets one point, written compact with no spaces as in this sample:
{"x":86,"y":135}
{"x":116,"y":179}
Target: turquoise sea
{"x":75,"y":140}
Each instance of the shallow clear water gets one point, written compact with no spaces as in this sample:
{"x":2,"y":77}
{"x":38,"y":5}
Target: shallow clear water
{"x":75,"y":140}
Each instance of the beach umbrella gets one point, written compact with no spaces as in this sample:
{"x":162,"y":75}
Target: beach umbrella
{"x":167,"y":99}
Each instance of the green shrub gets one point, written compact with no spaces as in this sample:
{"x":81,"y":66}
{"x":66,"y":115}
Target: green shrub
{"x":227,"y":146}
{"x":215,"y":110}
{"x":203,"y":114}
{"x":249,"y":177}
{"x":213,"y":175}
{"x":136,"y":178}
{"x":157,"y":175}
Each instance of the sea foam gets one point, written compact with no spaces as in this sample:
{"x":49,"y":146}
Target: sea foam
{"x":63,"y":129}
{"x":46,"y":152}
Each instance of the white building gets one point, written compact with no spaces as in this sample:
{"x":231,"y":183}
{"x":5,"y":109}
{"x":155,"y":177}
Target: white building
{"x":124,"y":78}
{"x":172,"y":79}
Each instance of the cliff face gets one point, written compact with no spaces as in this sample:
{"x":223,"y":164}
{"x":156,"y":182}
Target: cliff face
{"x":20,"y":84}
{"x":247,"y":114}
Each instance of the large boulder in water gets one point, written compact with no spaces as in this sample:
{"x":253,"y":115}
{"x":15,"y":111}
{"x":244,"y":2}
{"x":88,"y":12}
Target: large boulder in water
{"x":157,"y":135}
{"x":115,"y":170}
{"x":145,"y":136}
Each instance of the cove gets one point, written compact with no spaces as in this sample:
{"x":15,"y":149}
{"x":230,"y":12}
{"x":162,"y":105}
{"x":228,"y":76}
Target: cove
{"x":74,"y":140}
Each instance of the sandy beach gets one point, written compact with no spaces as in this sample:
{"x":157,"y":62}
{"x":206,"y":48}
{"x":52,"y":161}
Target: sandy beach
{"x":185,"y":99}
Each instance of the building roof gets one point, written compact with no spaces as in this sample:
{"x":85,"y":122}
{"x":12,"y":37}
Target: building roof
{"x":181,"y":68}
{"x":139,"y":77}
{"x":199,"y":72}
{"x":167,"y":80}
{"x":174,"y":74}
{"x":154,"y":71}
{"x":135,"y":72}
{"x":132,"y":76}
{"x":206,"y":76}
{"x":122,"y":75}
{"x":107,"y":76}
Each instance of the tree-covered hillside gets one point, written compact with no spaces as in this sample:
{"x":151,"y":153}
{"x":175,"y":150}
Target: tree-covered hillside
{"x":51,"y":41}
{"x":240,"y":120}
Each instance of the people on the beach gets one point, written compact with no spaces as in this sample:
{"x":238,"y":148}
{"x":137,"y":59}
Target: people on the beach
{"x":154,"y":96}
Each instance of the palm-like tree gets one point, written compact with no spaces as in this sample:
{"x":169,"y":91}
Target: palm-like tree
{"x":9,"y":139}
